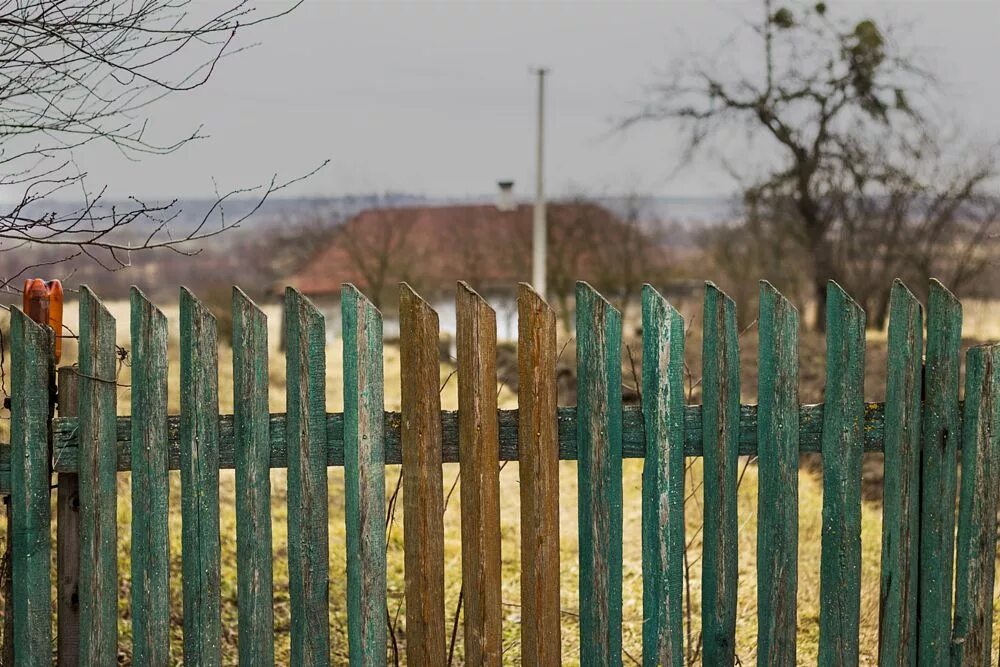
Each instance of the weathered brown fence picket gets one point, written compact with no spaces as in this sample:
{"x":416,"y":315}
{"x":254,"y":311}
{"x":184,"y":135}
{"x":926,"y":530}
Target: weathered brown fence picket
{"x":538,"y":449}
{"x":926,"y":435}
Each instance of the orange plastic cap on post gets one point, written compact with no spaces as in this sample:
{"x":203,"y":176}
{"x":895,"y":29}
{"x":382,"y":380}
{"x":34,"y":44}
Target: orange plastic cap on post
{"x":43,"y":303}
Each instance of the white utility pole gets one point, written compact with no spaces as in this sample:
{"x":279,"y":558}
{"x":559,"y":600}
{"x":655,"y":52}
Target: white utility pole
{"x":538,"y":250}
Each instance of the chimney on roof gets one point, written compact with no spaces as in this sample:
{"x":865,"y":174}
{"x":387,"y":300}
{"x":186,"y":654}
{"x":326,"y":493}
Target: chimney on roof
{"x":505,"y":198}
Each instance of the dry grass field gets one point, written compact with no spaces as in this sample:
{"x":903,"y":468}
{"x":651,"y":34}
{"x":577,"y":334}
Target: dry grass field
{"x":982,"y":327}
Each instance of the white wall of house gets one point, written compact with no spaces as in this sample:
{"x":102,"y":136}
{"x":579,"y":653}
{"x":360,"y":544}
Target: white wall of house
{"x":505,"y":307}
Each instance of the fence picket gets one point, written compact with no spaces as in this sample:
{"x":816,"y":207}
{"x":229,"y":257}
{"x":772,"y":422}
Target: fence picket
{"x":538,"y":454}
{"x":364,"y":474}
{"x":479,"y":458}
{"x":977,"y":527}
{"x":253,"y":483}
{"x":599,"y":471}
{"x":901,"y":496}
{"x":30,"y":606}
{"x":308,"y":527}
{"x":778,"y":471}
{"x":199,"y":465}
{"x":98,"y":486}
{"x":423,"y":493}
{"x":720,"y":435}
{"x":843,"y":417}
{"x":662,"y":481}
{"x":938,"y":483}
{"x":150,"y":485}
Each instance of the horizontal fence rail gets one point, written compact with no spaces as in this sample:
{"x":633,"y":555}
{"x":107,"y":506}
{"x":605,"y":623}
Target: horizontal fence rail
{"x":939,"y":530}
{"x":66,"y":435}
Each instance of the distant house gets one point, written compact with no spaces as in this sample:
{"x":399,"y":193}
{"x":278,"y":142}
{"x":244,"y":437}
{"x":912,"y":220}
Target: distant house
{"x":488,"y":246}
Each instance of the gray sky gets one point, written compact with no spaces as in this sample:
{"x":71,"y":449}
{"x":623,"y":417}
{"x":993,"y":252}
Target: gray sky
{"x":436,"y":98}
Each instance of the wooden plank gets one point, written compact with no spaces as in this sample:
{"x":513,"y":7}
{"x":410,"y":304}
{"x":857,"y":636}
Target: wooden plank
{"x":308,"y":527}
{"x":68,"y":537}
{"x":66,"y":437}
{"x":253,"y":483}
{"x":150,"y":486}
{"x":364,"y":475}
{"x":98,"y":485}
{"x":423,"y":495}
{"x":199,"y":466}
{"x":977,"y":526}
{"x":720,"y":438}
{"x":538,"y":438}
{"x":30,"y":524}
{"x":599,"y":424}
{"x":938,"y":483}
{"x":840,"y":564}
{"x":662,"y":481}
{"x":901,"y":498}
{"x":778,"y":478}
{"x":479,"y":455}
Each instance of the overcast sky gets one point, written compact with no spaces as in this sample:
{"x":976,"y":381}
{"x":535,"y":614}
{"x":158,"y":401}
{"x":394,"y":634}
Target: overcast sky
{"x":437,"y":98}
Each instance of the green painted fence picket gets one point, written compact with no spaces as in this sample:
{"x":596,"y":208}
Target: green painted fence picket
{"x":843,"y":421}
{"x":720,"y":413}
{"x":778,"y":478}
{"x":150,"y":486}
{"x":308,"y":524}
{"x":901,"y":498}
{"x":926,"y":435}
{"x":29,"y":482}
{"x":599,"y":474}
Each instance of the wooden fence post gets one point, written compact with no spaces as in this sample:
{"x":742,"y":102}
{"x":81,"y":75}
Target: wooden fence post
{"x":423,"y":495}
{"x":720,"y":441}
{"x":599,"y":475}
{"x":479,"y":466}
{"x":68,"y":539}
{"x":842,"y":447}
{"x":662,"y":481}
{"x":31,"y":384}
{"x":538,"y":456}
{"x":778,"y":466}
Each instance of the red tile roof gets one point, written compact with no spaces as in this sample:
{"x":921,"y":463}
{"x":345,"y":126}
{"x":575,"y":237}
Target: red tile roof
{"x":432,"y":247}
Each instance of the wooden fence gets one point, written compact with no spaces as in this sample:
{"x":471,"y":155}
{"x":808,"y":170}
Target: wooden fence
{"x":922,"y":428}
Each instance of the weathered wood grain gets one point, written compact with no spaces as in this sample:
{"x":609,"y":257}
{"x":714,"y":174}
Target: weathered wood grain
{"x":901,"y":497}
{"x":479,"y":455}
{"x":720,"y":438}
{"x":31,"y":605}
{"x":199,"y":466}
{"x":599,"y":436}
{"x":308,"y":528}
{"x":977,"y":526}
{"x":939,"y":479}
{"x":67,"y":537}
{"x":778,"y":478}
{"x":662,"y":482}
{"x":423,"y":495}
{"x":364,"y":474}
{"x":538,"y":435}
{"x":150,"y":486}
{"x":840,"y":563}
{"x":98,"y":487}
{"x":253,"y":483}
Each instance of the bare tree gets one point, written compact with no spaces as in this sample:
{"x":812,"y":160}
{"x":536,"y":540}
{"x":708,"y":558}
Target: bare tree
{"x":81,"y":72}
{"x":377,"y":248}
{"x":837,"y":102}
